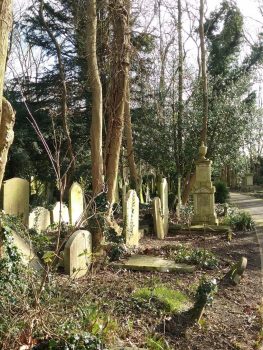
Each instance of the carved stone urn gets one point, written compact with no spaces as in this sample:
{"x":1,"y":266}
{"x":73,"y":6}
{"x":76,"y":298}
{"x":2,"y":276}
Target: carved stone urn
{"x":202,"y":151}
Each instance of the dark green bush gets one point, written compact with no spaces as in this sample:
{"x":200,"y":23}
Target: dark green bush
{"x":240,"y":221}
{"x":222,"y":192}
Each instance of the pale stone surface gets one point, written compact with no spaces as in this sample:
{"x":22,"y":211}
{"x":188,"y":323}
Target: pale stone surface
{"x":131,"y":226}
{"x":76,"y":203}
{"x":249,"y":180}
{"x":158,"y":218}
{"x":147,"y":194}
{"x":15,"y":198}
{"x":204,"y":192}
{"x":39,"y":219}
{"x":124,"y":194}
{"x":78,"y":253}
{"x":56,"y":213}
{"x":27,"y":253}
{"x":164,"y":204}
{"x":153,"y":263}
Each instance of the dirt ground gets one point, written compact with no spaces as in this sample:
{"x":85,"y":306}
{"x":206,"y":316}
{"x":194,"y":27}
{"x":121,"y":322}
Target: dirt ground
{"x":232,"y":322}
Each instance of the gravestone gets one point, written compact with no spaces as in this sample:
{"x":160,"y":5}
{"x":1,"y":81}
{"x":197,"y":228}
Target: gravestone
{"x":124,"y":194}
{"x":147,"y":194}
{"x":78,"y":253}
{"x":56,"y":213}
{"x":15,"y":198}
{"x":164,"y":204}
{"x":204,"y":192}
{"x":158,"y":218}
{"x":236,"y":272}
{"x":131,"y":226}
{"x":39,"y":219}
{"x":76,"y":203}
{"x":249,"y":180}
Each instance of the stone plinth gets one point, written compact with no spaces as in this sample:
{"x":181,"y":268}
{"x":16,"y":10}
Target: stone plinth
{"x":204,"y":192}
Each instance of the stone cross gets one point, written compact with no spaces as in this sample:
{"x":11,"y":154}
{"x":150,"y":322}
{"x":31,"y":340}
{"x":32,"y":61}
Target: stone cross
{"x":76,"y":203}
{"x":131,"y":225}
{"x":15,"y":198}
{"x":78,"y":253}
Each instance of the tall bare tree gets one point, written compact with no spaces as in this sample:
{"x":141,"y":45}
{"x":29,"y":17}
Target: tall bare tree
{"x":119,"y":16}
{"x":204,"y":73}
{"x":96,"y":88}
{"x":7,"y":115}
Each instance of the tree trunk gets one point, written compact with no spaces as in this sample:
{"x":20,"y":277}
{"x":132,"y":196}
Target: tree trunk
{"x":134,"y":181}
{"x":7,"y":114}
{"x":204,"y":74}
{"x":119,"y":14}
{"x":180,"y":91}
{"x":5,"y":28}
{"x":96,"y":88}
{"x":6,"y":134}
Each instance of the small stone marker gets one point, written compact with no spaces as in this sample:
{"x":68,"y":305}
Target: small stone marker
{"x":76,"y":203}
{"x":39,"y":219}
{"x":27,"y":253}
{"x":15,"y":198}
{"x":131,"y":226}
{"x":236,"y":272}
{"x":56,"y":213}
{"x":164,"y":204}
{"x":153,"y":263}
{"x":78,"y":253}
{"x":158,"y":218}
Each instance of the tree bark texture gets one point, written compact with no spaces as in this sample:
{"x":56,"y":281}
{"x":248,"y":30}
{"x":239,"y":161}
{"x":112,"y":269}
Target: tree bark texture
{"x":5,"y":28}
{"x":129,"y":142}
{"x":96,"y":88}
{"x":180,"y":91}
{"x":6,"y":134}
{"x":204,"y":74}
{"x":119,"y":16}
{"x":7,"y":114}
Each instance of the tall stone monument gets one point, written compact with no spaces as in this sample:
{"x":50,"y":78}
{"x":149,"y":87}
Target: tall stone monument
{"x":204,"y":191}
{"x":131,"y":228}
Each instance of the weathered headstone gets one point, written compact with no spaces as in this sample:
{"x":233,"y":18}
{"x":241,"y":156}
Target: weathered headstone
{"x":76,"y":203}
{"x":204,"y":192}
{"x":158,"y":218}
{"x":124,"y":195}
{"x":15,"y":198}
{"x":60,"y":211}
{"x":28,"y":255}
{"x":39,"y":219}
{"x":164,"y":204}
{"x":131,"y":226}
{"x":236,"y":272}
{"x":78,"y":253}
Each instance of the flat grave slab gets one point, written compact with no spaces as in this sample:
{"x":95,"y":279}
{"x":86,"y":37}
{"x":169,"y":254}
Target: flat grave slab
{"x":152,"y":263}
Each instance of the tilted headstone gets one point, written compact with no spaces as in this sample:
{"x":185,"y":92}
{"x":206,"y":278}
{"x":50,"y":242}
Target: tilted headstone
{"x":236,"y":272}
{"x":60,"y":211}
{"x":39,"y":219}
{"x":76,"y":203}
{"x":164,"y":204}
{"x":131,"y":226}
{"x":15,"y":198}
{"x":78,"y":253}
{"x":158,"y":218}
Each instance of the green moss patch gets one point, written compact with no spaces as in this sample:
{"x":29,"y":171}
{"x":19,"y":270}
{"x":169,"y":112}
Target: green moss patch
{"x":170,"y":300}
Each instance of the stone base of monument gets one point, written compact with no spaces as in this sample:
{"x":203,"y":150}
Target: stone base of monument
{"x":217,"y":229}
{"x":152,"y":263}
